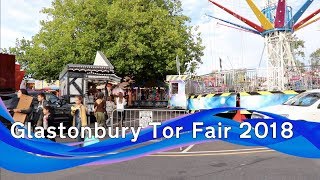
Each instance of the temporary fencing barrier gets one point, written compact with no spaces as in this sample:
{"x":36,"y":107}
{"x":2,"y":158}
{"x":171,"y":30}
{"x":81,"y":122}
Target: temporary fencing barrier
{"x":142,"y":117}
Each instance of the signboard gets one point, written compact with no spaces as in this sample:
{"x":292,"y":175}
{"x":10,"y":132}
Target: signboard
{"x":145,"y":117}
{"x":24,"y":103}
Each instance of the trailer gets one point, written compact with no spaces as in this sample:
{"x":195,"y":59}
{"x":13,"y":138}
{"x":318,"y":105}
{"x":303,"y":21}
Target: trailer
{"x":10,"y":74}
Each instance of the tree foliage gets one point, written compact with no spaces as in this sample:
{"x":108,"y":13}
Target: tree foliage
{"x":298,"y":51}
{"x":315,"y":59}
{"x":141,"y":38}
{"x":298,"y":47}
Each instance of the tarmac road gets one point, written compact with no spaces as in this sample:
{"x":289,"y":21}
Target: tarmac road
{"x":216,"y":160}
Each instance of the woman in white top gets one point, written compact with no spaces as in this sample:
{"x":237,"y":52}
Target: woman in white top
{"x":120,"y":104}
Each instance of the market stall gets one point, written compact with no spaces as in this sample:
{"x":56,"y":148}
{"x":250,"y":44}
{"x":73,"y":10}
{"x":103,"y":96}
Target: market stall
{"x":80,"y":79}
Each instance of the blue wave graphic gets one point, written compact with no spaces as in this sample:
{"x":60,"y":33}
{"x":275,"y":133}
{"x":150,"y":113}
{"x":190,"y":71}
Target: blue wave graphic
{"x":23,"y":155}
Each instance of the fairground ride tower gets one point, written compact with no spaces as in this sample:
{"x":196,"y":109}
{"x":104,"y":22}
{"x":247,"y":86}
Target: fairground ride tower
{"x":277,"y":25}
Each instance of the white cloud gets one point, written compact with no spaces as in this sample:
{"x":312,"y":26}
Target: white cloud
{"x":20,"y":18}
{"x":10,"y":35}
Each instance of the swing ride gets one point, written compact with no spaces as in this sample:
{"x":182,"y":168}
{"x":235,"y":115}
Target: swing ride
{"x":282,"y":79}
{"x":277,"y":26}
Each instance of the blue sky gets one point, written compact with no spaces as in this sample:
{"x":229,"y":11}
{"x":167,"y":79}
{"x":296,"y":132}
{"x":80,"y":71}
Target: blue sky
{"x":237,"y":49}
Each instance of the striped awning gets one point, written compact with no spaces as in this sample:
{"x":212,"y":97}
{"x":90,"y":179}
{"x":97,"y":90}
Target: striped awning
{"x":177,"y":77}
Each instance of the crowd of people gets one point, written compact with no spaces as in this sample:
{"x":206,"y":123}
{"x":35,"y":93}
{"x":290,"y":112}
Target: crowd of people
{"x":39,"y":114}
{"x":132,"y":94}
{"x":103,"y":109}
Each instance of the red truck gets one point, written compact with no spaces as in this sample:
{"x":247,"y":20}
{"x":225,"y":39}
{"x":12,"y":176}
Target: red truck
{"x":10,"y":74}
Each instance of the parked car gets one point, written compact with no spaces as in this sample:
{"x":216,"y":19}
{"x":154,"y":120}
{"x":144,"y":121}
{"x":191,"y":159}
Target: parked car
{"x":50,"y":97}
{"x":61,"y":109}
{"x":304,"y":106}
{"x":10,"y":100}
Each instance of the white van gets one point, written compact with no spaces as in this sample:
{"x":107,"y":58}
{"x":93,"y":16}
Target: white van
{"x":304,"y":106}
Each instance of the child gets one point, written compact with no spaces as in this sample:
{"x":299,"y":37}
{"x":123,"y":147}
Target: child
{"x":100,"y":109}
{"x":47,"y":120}
{"x":110,"y":106}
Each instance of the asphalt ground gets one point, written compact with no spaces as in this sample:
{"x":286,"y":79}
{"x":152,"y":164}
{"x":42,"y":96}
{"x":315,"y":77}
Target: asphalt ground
{"x":214,"y":160}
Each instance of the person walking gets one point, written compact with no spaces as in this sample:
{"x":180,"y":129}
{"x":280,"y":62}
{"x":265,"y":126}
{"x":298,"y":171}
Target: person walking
{"x":78,"y":111}
{"x":38,"y":113}
{"x":110,"y":106}
{"x":130,"y":98}
{"x":120,"y":104}
{"x":28,"y":111}
{"x":100,"y":109}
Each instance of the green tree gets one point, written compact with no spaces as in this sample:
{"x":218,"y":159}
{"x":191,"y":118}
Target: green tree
{"x":298,"y":47}
{"x":315,"y":59}
{"x":141,"y":38}
{"x":298,"y":52}
{"x":22,"y":46}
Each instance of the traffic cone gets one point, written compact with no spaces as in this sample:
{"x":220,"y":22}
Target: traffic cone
{"x":239,"y":117}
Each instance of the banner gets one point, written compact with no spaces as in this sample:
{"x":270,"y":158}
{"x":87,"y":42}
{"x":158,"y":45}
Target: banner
{"x":297,"y":138}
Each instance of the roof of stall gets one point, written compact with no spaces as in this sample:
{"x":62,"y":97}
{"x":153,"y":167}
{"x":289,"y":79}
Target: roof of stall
{"x":101,"y":67}
{"x":89,"y":68}
{"x":178,"y":77}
